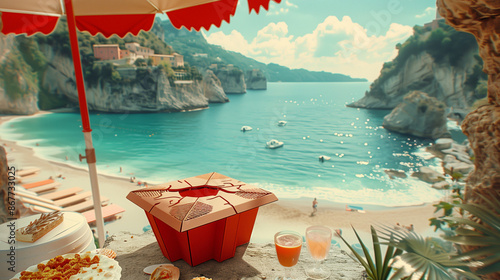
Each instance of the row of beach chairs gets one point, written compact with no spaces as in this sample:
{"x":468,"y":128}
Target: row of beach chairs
{"x":44,"y":196}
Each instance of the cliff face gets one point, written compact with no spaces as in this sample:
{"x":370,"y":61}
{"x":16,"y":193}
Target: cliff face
{"x":25,"y":101}
{"x":232,"y":80}
{"x":255,"y":79}
{"x":421,"y":72}
{"x":151,"y":93}
{"x":213,"y":88}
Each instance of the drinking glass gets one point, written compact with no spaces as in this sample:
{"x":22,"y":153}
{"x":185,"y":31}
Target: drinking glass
{"x":288,"y":244}
{"x":318,"y":240}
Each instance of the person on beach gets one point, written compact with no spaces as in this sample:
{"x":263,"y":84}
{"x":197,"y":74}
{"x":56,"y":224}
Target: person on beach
{"x":315,"y":207}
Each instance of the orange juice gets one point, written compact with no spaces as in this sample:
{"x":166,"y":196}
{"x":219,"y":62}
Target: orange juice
{"x":288,"y":247}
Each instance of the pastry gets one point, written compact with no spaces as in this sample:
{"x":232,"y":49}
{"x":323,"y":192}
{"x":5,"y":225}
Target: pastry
{"x":39,"y":227}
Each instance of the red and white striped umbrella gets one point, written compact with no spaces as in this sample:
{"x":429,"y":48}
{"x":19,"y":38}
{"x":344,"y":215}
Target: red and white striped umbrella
{"x":109,"y":17}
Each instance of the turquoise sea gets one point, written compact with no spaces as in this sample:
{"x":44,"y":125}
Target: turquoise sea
{"x":168,"y":146}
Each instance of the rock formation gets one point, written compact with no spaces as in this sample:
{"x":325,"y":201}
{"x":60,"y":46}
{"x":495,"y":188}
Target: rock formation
{"x":232,"y":80}
{"x":418,"y":115}
{"x":421,"y":72}
{"x":151,"y":93}
{"x":482,"y":126}
{"x":213,"y":88}
{"x":255,"y":79}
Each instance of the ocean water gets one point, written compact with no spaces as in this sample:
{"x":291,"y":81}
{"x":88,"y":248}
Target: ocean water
{"x":163,"y":147}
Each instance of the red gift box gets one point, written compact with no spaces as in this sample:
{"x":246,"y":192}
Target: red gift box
{"x":203,"y":217}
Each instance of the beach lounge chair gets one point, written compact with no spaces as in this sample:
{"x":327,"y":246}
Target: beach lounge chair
{"x":73,"y":199}
{"x":61,"y":194}
{"x":46,"y":188}
{"x":38,"y":184}
{"x":27,"y":171}
{"x":43,"y":205}
{"x":86,"y":205}
{"x":42,"y":186}
{"x":108,"y":211}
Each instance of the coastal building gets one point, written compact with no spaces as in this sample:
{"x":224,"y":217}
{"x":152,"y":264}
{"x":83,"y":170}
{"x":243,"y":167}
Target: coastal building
{"x":140,"y":51}
{"x":175,"y":60}
{"x":107,"y":52}
{"x":134,"y":51}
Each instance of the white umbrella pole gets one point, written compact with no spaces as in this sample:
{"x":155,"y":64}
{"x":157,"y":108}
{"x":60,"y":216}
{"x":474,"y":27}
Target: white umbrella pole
{"x":96,"y":195}
{"x":84,"y":113}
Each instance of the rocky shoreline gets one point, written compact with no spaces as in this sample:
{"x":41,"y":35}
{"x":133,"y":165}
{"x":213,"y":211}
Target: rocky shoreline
{"x":457,"y":162}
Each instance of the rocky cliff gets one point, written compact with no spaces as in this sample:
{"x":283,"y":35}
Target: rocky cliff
{"x":18,"y":85}
{"x":255,"y":79}
{"x":442,"y":63}
{"x":146,"y":90}
{"x":421,"y":72}
{"x":232,"y":80}
{"x":213,"y":88}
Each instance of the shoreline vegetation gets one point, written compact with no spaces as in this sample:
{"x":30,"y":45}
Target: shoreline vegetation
{"x":290,"y":214}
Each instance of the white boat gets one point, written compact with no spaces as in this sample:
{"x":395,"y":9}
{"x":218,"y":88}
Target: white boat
{"x":273,"y":144}
{"x":323,"y":158}
{"x":281,"y":123}
{"x":246,"y":128}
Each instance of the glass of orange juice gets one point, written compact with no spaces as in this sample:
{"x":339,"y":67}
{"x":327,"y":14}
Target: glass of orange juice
{"x":318,"y":240}
{"x":288,"y":244}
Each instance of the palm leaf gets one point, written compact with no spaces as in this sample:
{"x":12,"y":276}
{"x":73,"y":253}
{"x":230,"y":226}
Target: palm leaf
{"x":478,"y":253}
{"x":467,"y":274}
{"x":486,"y":234}
{"x":486,"y":215}
{"x":491,"y":200}
{"x":415,"y":266}
{"x":489,"y":269}
{"x":420,"y":260}
{"x":473,"y":224}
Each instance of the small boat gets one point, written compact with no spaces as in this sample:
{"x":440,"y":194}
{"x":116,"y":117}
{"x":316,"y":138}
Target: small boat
{"x":246,"y":128}
{"x":273,"y":144}
{"x":281,"y":123}
{"x":322,"y":158}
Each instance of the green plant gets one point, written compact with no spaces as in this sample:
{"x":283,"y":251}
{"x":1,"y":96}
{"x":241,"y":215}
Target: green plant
{"x":377,"y":268}
{"x":480,"y":233}
{"x":422,"y":259}
{"x":474,"y":230}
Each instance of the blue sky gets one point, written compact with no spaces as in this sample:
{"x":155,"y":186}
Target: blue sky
{"x":349,"y":37}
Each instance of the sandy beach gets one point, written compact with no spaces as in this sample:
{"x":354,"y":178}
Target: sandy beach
{"x":293,"y":214}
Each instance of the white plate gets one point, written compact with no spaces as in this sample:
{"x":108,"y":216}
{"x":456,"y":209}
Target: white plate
{"x":34,"y":268}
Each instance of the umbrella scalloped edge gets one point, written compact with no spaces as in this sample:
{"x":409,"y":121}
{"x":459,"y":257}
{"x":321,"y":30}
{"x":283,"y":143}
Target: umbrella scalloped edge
{"x":196,"y":17}
{"x":32,"y":23}
{"x":256,"y":4}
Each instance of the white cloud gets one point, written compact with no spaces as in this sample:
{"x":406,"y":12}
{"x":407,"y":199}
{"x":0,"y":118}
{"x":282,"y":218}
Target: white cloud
{"x":232,"y":42}
{"x":428,"y":12}
{"x":278,"y":10}
{"x":338,"y":46}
